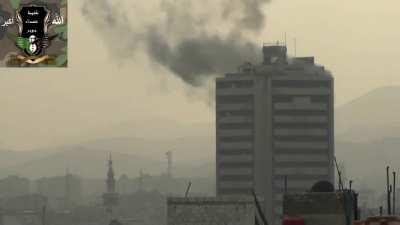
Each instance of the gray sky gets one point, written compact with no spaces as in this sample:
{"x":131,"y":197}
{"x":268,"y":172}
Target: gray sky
{"x":356,"y":40}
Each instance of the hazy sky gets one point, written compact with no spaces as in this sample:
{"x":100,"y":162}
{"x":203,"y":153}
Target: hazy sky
{"x":356,"y":40}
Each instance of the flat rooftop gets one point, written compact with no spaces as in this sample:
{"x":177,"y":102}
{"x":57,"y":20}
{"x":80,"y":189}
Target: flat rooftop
{"x":211,"y":200}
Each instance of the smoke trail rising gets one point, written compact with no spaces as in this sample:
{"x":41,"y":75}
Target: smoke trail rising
{"x":194,"y":39}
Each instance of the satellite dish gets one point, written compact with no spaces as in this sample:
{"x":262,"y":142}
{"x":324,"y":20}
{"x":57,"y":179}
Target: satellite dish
{"x":323,"y":186}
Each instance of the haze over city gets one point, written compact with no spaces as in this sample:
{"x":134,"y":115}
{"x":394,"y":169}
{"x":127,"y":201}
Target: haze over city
{"x":190,"y":112}
{"x":97,"y":94}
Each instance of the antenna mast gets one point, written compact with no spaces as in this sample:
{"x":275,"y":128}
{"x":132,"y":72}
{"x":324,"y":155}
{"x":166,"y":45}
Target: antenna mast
{"x":141,"y":180}
{"x":340,"y":175}
{"x":169,"y":169}
{"x":285,"y":39}
{"x":188,"y":189}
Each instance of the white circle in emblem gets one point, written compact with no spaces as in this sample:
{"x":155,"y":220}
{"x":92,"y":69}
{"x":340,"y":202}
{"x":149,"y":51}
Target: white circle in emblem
{"x":32,"y":48}
{"x":32,"y":38}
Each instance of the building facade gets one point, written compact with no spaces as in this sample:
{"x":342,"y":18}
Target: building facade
{"x":274,"y":128}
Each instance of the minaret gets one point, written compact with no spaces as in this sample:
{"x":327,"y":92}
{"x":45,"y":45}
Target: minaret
{"x":110,"y":177}
{"x":111,"y":197}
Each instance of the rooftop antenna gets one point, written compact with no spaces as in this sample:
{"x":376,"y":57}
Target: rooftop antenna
{"x":285,"y":39}
{"x":141,"y":180}
{"x":169,"y":169}
{"x":109,"y":159}
{"x":340,"y":184}
{"x":188,"y":189}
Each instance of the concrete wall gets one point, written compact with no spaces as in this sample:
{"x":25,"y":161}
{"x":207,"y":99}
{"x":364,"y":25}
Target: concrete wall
{"x":210,"y":211}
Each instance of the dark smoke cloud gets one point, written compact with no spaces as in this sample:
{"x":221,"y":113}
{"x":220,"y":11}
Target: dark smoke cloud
{"x":253,"y":17}
{"x":189,"y":44}
{"x":194,"y":59}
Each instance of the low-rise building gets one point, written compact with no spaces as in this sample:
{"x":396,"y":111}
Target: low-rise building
{"x":13,"y":186}
{"x":316,"y":208}
{"x":211,"y":211}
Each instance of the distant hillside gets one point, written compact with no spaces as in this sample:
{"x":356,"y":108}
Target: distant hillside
{"x":189,"y":148}
{"x":156,"y":129}
{"x":371,"y":117}
{"x":367,"y":139}
{"x":368,"y":136}
{"x":130,"y":155}
{"x":365,"y":163}
{"x":81,"y":161}
{"x":10,"y":158}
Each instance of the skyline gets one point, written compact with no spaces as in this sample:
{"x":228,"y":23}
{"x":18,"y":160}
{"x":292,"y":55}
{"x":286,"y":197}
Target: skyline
{"x":88,"y":99}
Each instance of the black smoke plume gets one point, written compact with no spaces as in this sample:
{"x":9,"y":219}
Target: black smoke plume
{"x":194,"y":39}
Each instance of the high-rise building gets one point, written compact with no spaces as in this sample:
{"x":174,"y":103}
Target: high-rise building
{"x":274,"y":128}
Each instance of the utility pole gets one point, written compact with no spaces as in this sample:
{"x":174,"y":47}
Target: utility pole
{"x":394,"y":193}
{"x":388,"y":190}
